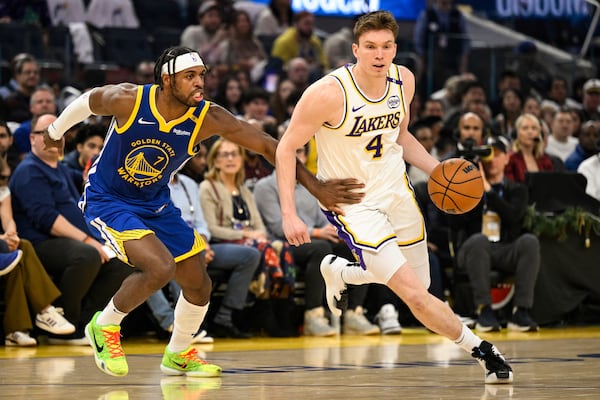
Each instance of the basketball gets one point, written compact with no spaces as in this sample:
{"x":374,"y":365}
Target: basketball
{"x":455,"y":186}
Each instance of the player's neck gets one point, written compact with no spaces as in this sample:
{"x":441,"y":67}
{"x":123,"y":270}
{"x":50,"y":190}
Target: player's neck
{"x":373,"y":86}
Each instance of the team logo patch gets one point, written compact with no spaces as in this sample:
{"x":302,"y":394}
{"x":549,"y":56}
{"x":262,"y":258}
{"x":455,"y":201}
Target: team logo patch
{"x":394,"y":102}
{"x":144,"y":165}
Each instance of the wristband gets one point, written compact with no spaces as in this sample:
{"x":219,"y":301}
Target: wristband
{"x":53,"y":133}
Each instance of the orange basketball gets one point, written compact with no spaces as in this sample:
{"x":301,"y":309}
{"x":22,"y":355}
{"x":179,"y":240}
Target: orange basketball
{"x":455,"y":186}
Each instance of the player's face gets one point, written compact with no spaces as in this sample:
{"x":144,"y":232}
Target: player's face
{"x":375,"y":51}
{"x":187,"y":86}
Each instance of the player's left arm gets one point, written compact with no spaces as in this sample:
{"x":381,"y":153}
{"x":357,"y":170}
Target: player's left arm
{"x":414,"y":153}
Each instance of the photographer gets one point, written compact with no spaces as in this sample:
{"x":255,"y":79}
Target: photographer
{"x":489,"y":238}
{"x":470,"y":135}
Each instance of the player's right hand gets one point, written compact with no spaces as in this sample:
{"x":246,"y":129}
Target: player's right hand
{"x":49,"y":142}
{"x":295,"y":231}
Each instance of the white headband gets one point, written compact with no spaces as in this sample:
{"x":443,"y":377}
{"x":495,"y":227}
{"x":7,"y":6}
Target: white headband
{"x":181,"y":62}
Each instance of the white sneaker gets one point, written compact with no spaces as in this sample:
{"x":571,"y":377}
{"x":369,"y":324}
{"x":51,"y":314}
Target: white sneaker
{"x":202,"y":338}
{"x":18,"y":338}
{"x":387,"y":318}
{"x":52,"y":321}
{"x":331,"y":269}
{"x":315,"y":323}
{"x":355,"y":323}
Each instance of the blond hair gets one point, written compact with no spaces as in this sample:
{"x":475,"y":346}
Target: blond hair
{"x":375,"y":21}
{"x":538,"y":149}
{"x":213,"y":171}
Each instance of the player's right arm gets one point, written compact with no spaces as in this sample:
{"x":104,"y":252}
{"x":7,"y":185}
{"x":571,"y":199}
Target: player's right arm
{"x":321,"y":102}
{"x":116,"y":100}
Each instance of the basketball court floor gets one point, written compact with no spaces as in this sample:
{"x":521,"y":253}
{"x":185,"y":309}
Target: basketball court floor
{"x":555,"y":363}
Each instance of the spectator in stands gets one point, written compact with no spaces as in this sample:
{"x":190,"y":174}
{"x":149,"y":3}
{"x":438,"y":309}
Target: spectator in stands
{"x":433,"y":107}
{"x":308,"y":256}
{"x":587,"y":146}
{"x":274,"y":19}
{"x":558,"y":92}
{"x":89,"y":142}
{"x":27,"y":75}
{"x":196,"y":166}
{"x":301,"y":41}
{"x":561,"y":142}
{"x":531,"y":105}
{"x":528,"y":150}
{"x":278,"y":102}
{"x":43,"y":101}
{"x":422,"y":132}
{"x":238,"y":261}
{"x":533,"y":73}
{"x":28,"y":286}
{"x":7,"y":152}
{"x":241,"y":49}
{"x":144,"y":72}
{"x":230,"y":94}
{"x":440,"y":30}
{"x":112,"y":14}
{"x":591,"y":100}
{"x":512,"y":106}
{"x":232,"y":216}
{"x":207,"y":34}
{"x":338,"y":47}
{"x":470,"y":133}
{"x":15,"y":64}
{"x":256,"y":107}
{"x":44,"y":202}
{"x":472,"y":98}
{"x":297,"y":70}
{"x":489,"y":238}
{"x":590,"y":168}
{"x":508,"y":79}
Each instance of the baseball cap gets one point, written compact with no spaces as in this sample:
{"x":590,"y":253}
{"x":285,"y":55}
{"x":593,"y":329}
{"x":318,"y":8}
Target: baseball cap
{"x":498,"y":142}
{"x":206,"y":6}
{"x":592,"y":86}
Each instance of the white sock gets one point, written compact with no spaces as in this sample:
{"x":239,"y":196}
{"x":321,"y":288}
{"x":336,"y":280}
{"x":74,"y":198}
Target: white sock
{"x":468,"y":340}
{"x":355,"y":275}
{"x":110,"y":315}
{"x":187,"y":319}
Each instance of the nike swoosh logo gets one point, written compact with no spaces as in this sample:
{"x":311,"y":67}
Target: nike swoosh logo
{"x":354,"y":109}
{"x":180,"y":365}
{"x":141,"y":121}
{"x":98,"y":348}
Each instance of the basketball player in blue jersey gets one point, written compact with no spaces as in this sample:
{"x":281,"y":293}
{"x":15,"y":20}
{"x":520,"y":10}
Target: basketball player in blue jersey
{"x":360,"y":115}
{"x":155,"y":129}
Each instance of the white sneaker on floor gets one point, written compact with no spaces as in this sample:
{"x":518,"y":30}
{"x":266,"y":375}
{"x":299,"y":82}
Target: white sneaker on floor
{"x":315,"y":323}
{"x":355,"y":323}
{"x":331,"y":269}
{"x":387,"y":318}
{"x":202,"y":338}
{"x":18,"y":338}
{"x":51,"y":320}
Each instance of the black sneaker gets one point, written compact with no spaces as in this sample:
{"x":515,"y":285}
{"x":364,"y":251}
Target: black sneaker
{"x":497,"y":370}
{"x":522,"y":322}
{"x":486,"y":320}
{"x":228,"y":331}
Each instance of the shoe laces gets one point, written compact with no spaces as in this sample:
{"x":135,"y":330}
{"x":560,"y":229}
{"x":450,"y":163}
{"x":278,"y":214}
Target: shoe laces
{"x":113,"y":340}
{"x":192,"y":356}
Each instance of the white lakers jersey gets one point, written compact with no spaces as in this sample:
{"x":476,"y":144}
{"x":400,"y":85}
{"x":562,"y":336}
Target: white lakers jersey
{"x":363,"y":145}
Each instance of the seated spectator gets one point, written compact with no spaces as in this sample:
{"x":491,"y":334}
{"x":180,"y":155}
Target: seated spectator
{"x":532,"y":105}
{"x":511,"y":107}
{"x":278,"y":102}
{"x":528,"y":150}
{"x":308,"y":256}
{"x":28,"y":286}
{"x":44,"y":202}
{"x":559,"y":93}
{"x":42,"y":101}
{"x":274,"y":19}
{"x":301,"y":41}
{"x":587,"y":145}
{"x":206,"y":36}
{"x":230,"y":95}
{"x":424,"y":135}
{"x":13,"y":84}
{"x":144,"y":72}
{"x":89,"y":141}
{"x":591,"y":100}
{"x":338,"y":47}
{"x":27,"y":76}
{"x":241,"y":49}
{"x":489,"y":238}
{"x":561,"y":142}
{"x":237,"y":260}
{"x":196,"y":166}
{"x":7,"y":150}
{"x":233,"y":217}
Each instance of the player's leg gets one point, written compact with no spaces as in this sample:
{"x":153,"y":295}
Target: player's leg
{"x":192,"y":304}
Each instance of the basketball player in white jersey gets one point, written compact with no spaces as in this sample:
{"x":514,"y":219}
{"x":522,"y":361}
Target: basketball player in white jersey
{"x":359,"y":117}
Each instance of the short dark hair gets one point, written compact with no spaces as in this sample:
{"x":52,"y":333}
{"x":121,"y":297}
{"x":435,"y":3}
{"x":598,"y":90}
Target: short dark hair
{"x":87,"y":131}
{"x":166,"y":56}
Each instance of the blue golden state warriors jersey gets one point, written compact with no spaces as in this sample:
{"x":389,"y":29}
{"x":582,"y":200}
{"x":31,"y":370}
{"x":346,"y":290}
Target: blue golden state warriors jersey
{"x":139,"y":158}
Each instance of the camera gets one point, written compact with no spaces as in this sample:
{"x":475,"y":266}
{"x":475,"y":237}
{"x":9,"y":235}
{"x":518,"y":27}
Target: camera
{"x":469,"y":150}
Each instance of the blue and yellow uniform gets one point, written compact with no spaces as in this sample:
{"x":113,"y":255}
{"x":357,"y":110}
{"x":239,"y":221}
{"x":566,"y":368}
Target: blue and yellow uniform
{"x":127,"y":194}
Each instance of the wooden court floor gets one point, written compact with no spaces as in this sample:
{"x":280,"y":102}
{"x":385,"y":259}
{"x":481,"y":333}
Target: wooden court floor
{"x":555,"y":363}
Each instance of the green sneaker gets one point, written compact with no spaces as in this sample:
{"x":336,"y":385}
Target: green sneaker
{"x":188,"y":363}
{"x":106,"y":342}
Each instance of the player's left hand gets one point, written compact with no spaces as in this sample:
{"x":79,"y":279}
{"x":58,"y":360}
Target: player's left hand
{"x":295,"y":231}
{"x":335,"y":192}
